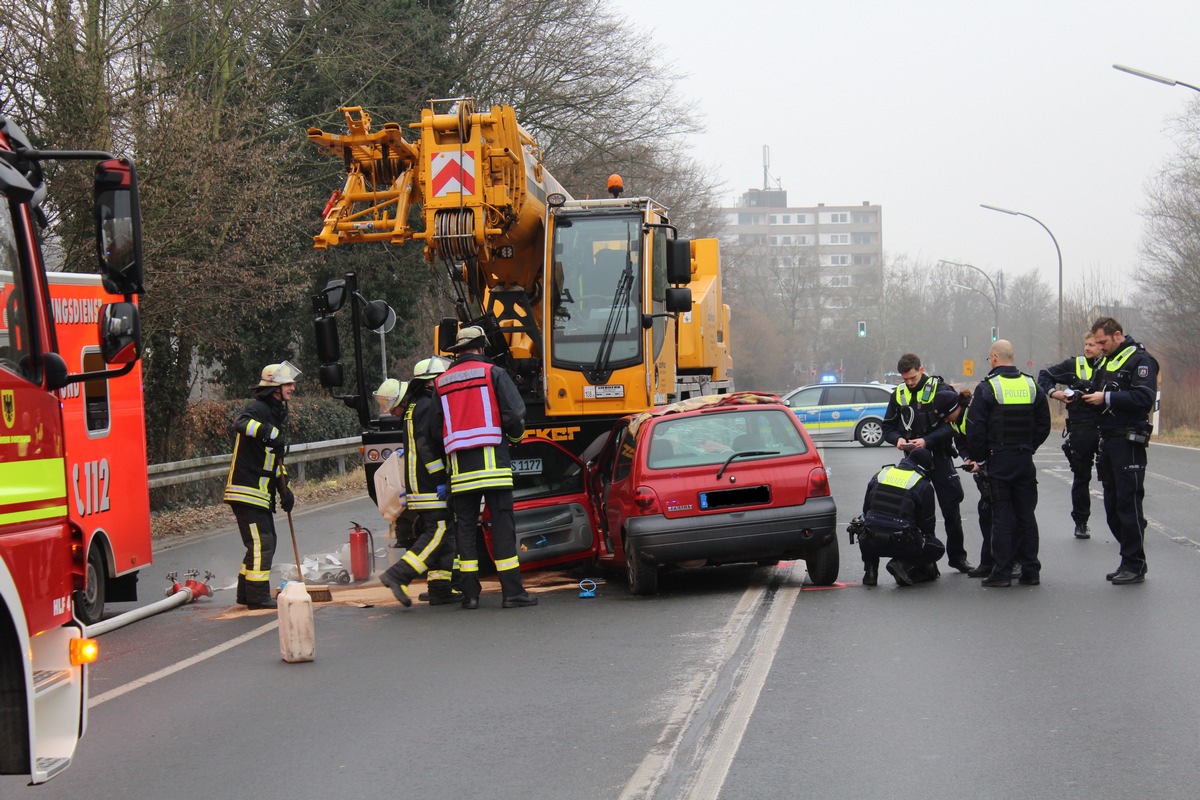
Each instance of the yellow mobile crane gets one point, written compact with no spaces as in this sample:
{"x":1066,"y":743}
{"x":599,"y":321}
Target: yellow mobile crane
{"x":595,"y":307}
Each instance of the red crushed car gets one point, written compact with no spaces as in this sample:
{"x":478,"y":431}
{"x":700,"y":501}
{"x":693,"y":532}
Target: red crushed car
{"x":712,"y":480}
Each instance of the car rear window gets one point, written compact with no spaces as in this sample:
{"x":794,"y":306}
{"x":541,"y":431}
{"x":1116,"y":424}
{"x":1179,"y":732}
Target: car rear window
{"x":710,"y":438}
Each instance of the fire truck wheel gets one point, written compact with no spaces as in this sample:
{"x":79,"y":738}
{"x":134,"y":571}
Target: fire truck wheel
{"x":89,"y":604}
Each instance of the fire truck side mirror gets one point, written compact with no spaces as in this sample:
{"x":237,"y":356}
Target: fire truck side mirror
{"x":120,"y":333}
{"x":329,"y":350}
{"x":679,"y":300}
{"x":331,"y":377}
{"x":57,"y":374}
{"x":679,"y":261}
{"x":118,"y":227}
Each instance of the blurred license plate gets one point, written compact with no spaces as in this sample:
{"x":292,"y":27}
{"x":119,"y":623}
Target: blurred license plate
{"x":527,"y":466}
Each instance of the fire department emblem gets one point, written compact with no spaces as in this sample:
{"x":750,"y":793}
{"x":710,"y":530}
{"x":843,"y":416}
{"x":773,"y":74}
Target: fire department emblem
{"x":1143,"y":372}
{"x":9,"y":402}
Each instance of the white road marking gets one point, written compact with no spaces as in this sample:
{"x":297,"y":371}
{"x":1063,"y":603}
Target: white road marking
{"x":654,"y":767}
{"x":113,"y":694}
{"x":707,"y":783}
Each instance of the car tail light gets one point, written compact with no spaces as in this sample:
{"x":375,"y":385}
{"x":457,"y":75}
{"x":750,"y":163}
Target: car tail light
{"x":818,"y":483}
{"x":646,"y":501}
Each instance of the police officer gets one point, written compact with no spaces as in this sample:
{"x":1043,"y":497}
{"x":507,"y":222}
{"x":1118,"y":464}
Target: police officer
{"x":425,"y":484}
{"x":1127,"y":386}
{"x":1082,"y":436}
{"x":482,"y":412}
{"x":910,"y":417}
{"x":1007,"y":420}
{"x":255,"y":476}
{"x":898,"y":514}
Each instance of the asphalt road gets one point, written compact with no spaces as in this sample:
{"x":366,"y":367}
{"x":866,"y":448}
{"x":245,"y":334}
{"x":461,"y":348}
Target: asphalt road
{"x":737,"y":682}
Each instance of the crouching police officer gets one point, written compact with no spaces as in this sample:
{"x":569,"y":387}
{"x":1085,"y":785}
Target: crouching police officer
{"x":425,"y":479}
{"x":898,"y":522}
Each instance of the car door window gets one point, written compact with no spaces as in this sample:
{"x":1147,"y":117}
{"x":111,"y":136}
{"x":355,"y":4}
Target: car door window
{"x":623,"y":463}
{"x":838,"y":396}
{"x":806,"y":397}
{"x":872,"y":395}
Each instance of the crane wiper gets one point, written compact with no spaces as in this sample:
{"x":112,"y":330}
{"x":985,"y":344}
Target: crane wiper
{"x":600,"y":372}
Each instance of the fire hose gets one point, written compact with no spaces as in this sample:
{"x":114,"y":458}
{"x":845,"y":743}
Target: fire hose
{"x":177,"y":595}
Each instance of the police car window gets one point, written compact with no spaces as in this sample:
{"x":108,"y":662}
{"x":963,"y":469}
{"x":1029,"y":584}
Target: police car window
{"x":871,"y":395}
{"x":838,"y":396}
{"x":806,"y":397}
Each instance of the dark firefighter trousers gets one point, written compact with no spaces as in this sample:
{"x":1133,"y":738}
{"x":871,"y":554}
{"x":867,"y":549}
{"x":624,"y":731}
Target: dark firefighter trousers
{"x":504,"y":540}
{"x":257,"y":527}
{"x":433,"y":552}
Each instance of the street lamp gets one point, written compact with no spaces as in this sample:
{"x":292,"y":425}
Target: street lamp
{"x":1056,"y":250}
{"x":995,"y":309}
{"x":994,"y":299}
{"x":1150,"y":76}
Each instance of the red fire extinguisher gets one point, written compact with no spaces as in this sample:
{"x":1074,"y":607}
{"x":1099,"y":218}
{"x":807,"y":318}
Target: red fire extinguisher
{"x":362,"y":552}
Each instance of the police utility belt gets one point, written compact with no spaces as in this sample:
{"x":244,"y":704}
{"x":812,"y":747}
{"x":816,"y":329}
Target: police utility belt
{"x":1135,"y":435}
{"x":884,"y":540}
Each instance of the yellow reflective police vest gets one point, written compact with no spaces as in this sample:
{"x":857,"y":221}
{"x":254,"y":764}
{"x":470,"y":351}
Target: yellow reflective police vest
{"x":1011,"y":421}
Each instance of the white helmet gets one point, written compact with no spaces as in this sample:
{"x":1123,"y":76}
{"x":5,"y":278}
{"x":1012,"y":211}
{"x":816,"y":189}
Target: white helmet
{"x":389,"y":394}
{"x":429,"y":368}
{"x":279,"y":374}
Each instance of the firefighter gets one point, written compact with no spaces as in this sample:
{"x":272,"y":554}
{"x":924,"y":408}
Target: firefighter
{"x":911,"y":418}
{"x":899,"y":520}
{"x":425,"y":483}
{"x":1081,"y":435}
{"x":1007,"y":421}
{"x":257,"y":475}
{"x":390,"y":396}
{"x":482,"y":413}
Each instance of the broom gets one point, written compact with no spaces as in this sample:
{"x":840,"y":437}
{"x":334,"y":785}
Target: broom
{"x":318,"y":594}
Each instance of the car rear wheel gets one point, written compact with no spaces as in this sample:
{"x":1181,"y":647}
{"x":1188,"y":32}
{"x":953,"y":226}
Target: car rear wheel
{"x":869,"y":433}
{"x":823,"y":565}
{"x":643,"y":576}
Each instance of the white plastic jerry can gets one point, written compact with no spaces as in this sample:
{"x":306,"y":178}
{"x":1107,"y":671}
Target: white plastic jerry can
{"x":297,"y":638}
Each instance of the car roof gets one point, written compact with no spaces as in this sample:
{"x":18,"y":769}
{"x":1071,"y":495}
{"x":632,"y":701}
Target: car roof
{"x":707,"y":401}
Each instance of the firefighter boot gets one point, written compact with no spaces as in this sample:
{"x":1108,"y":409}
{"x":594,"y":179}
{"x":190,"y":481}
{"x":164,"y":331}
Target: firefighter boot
{"x":514,"y":592}
{"x":441,"y":594}
{"x":398,"y":585}
{"x":241,"y":590}
{"x":258,"y":595}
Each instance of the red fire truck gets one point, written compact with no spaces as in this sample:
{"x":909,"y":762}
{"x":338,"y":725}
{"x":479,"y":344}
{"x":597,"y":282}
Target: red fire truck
{"x":43,"y":553}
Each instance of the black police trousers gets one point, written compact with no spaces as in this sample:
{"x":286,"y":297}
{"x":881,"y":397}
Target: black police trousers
{"x":1122,"y":470}
{"x":949,"y":491}
{"x":1081,"y":448}
{"x":1014,"y":521}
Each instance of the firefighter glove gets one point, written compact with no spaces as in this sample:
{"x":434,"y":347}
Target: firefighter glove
{"x":287,"y":499}
{"x":442,"y":494}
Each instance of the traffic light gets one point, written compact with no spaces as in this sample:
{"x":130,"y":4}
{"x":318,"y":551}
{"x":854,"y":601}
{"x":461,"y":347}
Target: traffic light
{"x":994,"y":332}
{"x":862,"y":328}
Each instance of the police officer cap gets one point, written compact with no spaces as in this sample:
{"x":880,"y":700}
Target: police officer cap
{"x":944,"y":402}
{"x":921,"y":459}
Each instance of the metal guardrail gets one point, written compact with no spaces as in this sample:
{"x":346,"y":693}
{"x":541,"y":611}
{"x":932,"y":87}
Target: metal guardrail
{"x":174,"y":473}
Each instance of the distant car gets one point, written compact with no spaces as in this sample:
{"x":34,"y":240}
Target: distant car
{"x":842,"y":412}
{"x":725,"y":480}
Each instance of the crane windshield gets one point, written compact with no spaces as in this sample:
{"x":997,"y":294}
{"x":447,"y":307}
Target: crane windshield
{"x":597,"y":323}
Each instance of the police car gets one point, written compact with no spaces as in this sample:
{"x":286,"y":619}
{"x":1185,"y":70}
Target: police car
{"x":842,"y":412}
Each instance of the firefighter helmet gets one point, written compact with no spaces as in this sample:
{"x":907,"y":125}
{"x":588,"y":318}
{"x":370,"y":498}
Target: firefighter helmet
{"x":279,"y":374}
{"x":389,"y":394}
{"x":429,"y":368}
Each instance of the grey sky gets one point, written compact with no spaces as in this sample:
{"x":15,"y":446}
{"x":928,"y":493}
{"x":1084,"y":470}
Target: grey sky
{"x":930,"y":108}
